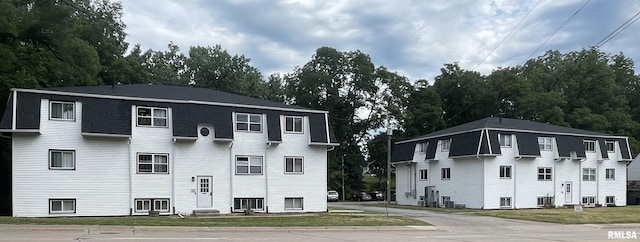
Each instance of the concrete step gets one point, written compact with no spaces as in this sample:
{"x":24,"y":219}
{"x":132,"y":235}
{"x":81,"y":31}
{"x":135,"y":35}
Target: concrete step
{"x":206,"y":212}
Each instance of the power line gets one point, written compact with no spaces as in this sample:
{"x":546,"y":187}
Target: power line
{"x":507,"y":36}
{"x":618,"y":30}
{"x":558,"y":29}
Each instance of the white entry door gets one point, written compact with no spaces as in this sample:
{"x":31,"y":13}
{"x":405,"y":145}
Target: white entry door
{"x":567,"y":192}
{"x":205,"y":191}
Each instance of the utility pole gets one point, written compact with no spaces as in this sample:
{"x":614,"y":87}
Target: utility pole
{"x":389,"y":133}
{"x":343,"y":195}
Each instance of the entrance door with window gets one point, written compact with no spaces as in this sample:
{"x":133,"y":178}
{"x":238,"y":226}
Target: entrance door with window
{"x":567,"y":192}
{"x":205,"y":191}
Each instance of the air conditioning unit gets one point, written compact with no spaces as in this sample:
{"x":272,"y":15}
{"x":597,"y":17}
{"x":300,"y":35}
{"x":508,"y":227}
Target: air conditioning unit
{"x":421,"y":203}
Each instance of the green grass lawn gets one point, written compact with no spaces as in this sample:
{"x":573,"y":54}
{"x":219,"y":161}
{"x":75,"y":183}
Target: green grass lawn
{"x":600,"y":215}
{"x":312,"y":219}
{"x":606,"y":215}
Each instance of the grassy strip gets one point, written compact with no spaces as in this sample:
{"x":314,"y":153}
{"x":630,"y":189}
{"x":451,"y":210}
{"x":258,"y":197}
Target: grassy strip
{"x":325,"y":219}
{"x":607,"y":215}
{"x":600,"y":215}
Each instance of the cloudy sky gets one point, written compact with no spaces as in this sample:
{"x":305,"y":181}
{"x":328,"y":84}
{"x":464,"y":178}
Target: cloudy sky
{"x":415,"y":38}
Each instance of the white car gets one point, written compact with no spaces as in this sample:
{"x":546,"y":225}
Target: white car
{"x":333,"y":196}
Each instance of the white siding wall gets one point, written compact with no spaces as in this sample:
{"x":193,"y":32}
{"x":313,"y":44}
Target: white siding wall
{"x":105,"y":181}
{"x":613,"y":187}
{"x":202,"y":157}
{"x":100,"y":171}
{"x":151,"y":140}
{"x":496,"y":187}
{"x":311,"y":186}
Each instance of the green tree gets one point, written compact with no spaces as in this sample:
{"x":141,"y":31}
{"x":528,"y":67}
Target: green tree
{"x":343,"y":83}
{"x":215,"y":68}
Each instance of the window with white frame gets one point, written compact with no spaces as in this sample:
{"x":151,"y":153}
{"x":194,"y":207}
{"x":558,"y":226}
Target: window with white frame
{"x":588,"y":174}
{"x":153,"y":163}
{"x":61,"y":110}
{"x":422,"y":148}
{"x":251,"y":165}
{"x":445,"y":173}
{"x":293,"y":124}
{"x":152,"y":117}
{"x":293,"y":165}
{"x":62,"y":159}
{"x":588,"y":200}
{"x":505,"y":140}
{"x":544,"y":174}
{"x":144,"y":204}
{"x":445,"y":144}
{"x":293,"y":203}
{"x":505,"y":171}
{"x":611,"y":146}
{"x":610,"y":200}
{"x":545,"y":143}
{"x":62,"y":205}
{"x":545,"y":201}
{"x":248,"y":122}
{"x":589,"y":146}
{"x":505,"y":202}
{"x":243,"y":204}
{"x":424,"y":174}
{"x":610,"y":173}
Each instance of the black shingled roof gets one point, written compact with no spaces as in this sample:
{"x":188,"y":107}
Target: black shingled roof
{"x":185,"y":93}
{"x":510,"y":124}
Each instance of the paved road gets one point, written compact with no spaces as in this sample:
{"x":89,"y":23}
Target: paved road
{"x":464,"y":227}
{"x":447,"y":227}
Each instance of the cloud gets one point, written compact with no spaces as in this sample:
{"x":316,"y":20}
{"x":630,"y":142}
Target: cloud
{"x":414,"y":38}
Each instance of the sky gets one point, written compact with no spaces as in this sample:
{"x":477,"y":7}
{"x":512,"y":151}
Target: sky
{"x":411,"y":37}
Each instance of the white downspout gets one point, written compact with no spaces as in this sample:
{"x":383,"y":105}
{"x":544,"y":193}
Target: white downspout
{"x":231,"y":172}
{"x":266,"y":177}
{"x":173,"y":175}
{"x":130,"y":178}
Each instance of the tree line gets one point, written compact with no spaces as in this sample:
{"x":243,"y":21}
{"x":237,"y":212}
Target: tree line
{"x":47,"y":43}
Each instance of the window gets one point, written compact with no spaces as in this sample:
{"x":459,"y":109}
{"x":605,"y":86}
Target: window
{"x":588,"y":174}
{"x":610,"y":200}
{"x":446,"y":173}
{"x":293,"y":203}
{"x":143,"y":205}
{"x":545,"y":201}
{"x":610,"y":174}
{"x":293,"y":165}
{"x":153,"y":163}
{"x":610,"y":146}
{"x":544,"y":173}
{"x":61,"y":110}
{"x":505,"y":202}
{"x":505,"y":140}
{"x":505,"y":171}
{"x":159,"y":204}
{"x":589,"y":146}
{"x":589,"y":200}
{"x":422,"y":148}
{"x":248,"y":122}
{"x":293,"y":124}
{"x":248,"y":165}
{"x":62,"y":160}
{"x":445,"y":144}
{"x":62,"y":206}
{"x":242,"y":204}
{"x":545,"y":143}
{"x":152,"y":117}
{"x":423,"y":174}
